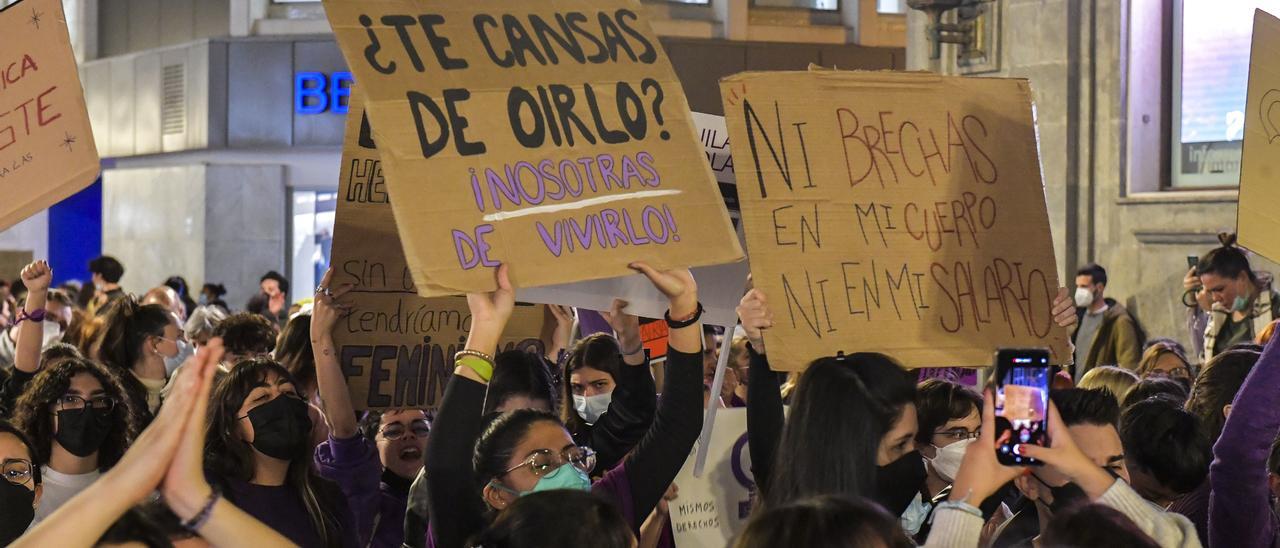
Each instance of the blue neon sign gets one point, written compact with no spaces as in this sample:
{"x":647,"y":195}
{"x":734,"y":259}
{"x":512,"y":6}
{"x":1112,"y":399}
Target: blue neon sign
{"x":317,"y":92}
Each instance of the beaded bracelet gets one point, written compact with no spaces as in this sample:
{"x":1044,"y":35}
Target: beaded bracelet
{"x":195,"y":523}
{"x":475,"y":361}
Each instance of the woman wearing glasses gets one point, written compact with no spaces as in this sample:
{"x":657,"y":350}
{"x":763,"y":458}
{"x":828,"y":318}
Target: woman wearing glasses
{"x":528,"y":451}
{"x":81,"y":422}
{"x":948,"y":416}
{"x":258,"y":454}
{"x":20,"y":487}
{"x":374,"y":470}
{"x":135,"y":342}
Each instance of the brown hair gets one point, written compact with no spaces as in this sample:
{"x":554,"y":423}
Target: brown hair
{"x":33,"y":413}
{"x":598,"y":351}
{"x":1153,"y":354}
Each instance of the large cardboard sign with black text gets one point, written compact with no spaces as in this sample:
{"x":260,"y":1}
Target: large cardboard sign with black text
{"x":1257,"y":220}
{"x":901,"y":213}
{"x":396,"y":347}
{"x":47,"y":151}
{"x":552,"y":136}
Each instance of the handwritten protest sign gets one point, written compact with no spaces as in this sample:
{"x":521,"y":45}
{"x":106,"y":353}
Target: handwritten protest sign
{"x":47,"y":151}
{"x":552,"y":136}
{"x":396,"y":348}
{"x":713,"y":508}
{"x":1257,"y":222}
{"x":720,"y":287}
{"x":901,"y":213}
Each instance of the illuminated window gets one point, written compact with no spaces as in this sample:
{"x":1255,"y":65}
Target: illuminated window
{"x":819,"y":5}
{"x":891,"y":6}
{"x":1210,"y":73}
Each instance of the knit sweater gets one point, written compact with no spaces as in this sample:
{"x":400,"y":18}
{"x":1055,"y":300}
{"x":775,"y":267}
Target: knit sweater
{"x":953,"y":528}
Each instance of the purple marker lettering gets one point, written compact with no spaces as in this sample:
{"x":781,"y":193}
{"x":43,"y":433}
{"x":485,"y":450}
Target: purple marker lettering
{"x":555,"y":244}
{"x":611,"y":229}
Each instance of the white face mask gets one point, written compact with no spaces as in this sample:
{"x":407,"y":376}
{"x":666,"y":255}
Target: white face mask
{"x":948,"y":458}
{"x":591,"y":407}
{"x":1084,"y":297}
{"x":185,"y":351}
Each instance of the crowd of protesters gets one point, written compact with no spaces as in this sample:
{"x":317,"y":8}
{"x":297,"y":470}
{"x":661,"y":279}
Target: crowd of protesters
{"x":159,"y":416}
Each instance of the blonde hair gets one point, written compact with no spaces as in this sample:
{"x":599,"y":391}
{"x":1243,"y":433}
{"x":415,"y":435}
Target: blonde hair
{"x":1116,"y":380}
{"x":1267,"y":332}
{"x":1152,"y":356}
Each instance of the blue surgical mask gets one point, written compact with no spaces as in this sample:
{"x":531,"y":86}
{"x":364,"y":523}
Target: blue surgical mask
{"x":567,"y":476}
{"x":590,"y":408}
{"x":185,"y":351}
{"x":1240,"y":304}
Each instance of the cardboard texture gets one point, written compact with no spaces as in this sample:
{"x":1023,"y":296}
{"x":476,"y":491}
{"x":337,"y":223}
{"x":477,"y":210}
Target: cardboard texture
{"x":1257,"y":221}
{"x":47,"y":151}
{"x":901,"y":213}
{"x":551,"y":135}
{"x":714,"y":508}
{"x":720,"y":287}
{"x":396,"y":348}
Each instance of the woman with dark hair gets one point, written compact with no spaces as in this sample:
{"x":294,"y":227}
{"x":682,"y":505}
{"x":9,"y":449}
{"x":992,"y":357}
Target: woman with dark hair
{"x":607,"y":396}
{"x":168,"y":457}
{"x":948,"y":416}
{"x":1240,"y":302}
{"x":826,"y":521}
{"x":134,"y":343}
{"x":868,"y":398}
{"x":211,"y":295}
{"x":179,"y":286}
{"x":557,"y":518}
{"x":527,"y":451}
{"x":293,"y":351}
{"x":80,"y":419}
{"x":372,"y":462}
{"x":257,"y":453}
{"x":20,"y":486}
{"x":272,"y":301}
{"x":521,"y":380}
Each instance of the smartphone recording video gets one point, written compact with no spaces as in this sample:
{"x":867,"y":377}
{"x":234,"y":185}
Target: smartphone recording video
{"x":1022,"y":403}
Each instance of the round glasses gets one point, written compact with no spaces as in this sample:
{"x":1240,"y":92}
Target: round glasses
{"x":397,"y":430}
{"x":958,"y":434}
{"x":16,"y":471}
{"x":544,"y":461}
{"x":72,"y":402}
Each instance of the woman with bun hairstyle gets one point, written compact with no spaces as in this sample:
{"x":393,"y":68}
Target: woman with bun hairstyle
{"x":1240,"y":302}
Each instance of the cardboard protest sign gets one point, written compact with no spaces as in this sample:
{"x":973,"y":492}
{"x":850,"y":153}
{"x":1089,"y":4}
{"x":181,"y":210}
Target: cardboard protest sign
{"x":901,"y":213}
{"x":712,"y":509}
{"x":549,"y":135}
{"x":396,"y":348}
{"x":47,"y":151}
{"x":1257,"y":221}
{"x":720,"y":287}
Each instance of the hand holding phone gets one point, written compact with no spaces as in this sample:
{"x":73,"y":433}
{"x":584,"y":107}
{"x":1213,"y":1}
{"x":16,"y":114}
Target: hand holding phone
{"x":1193,"y":261}
{"x":1022,"y":403}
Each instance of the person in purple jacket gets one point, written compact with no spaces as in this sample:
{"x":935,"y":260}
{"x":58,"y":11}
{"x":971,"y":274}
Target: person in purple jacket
{"x":1240,"y":511}
{"x":375,"y":462}
{"x":527,"y":451}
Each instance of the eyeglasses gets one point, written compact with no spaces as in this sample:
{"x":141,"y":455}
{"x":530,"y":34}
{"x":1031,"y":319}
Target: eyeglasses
{"x":72,"y":402}
{"x":396,"y":430}
{"x":543,"y":461}
{"x":958,"y":434}
{"x":1176,"y":373}
{"x":16,"y":471}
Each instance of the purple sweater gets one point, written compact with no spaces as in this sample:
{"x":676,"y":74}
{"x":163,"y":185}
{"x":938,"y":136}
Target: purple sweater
{"x":1240,"y":512}
{"x":353,"y":464}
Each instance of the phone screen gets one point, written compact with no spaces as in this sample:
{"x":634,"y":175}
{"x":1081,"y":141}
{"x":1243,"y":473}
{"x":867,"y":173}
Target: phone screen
{"x":1022,"y":403}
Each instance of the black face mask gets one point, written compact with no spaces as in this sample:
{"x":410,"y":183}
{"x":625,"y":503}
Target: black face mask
{"x":898,"y":483}
{"x":1068,"y":495}
{"x":281,"y":427}
{"x":16,"y":511}
{"x":82,"y":431}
